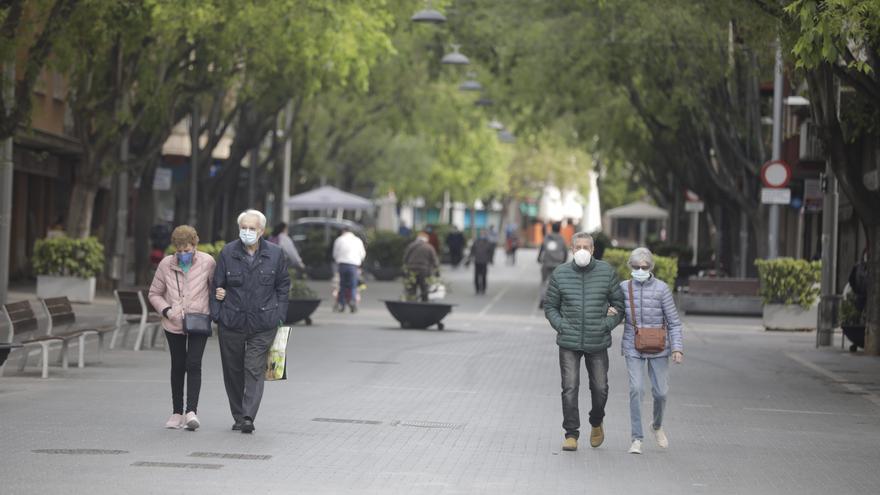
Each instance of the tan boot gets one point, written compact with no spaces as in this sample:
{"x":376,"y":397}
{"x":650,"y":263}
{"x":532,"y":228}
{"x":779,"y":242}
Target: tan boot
{"x":570,"y":444}
{"x":597,"y":436}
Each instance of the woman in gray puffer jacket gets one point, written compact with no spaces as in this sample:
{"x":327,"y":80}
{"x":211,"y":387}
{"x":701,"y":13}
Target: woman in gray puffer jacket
{"x":654,"y":307}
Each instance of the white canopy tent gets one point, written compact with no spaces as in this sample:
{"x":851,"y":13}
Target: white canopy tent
{"x":327,"y":198}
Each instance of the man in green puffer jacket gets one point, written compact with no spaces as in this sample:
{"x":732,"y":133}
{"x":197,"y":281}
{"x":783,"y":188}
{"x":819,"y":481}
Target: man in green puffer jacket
{"x":584,"y":303}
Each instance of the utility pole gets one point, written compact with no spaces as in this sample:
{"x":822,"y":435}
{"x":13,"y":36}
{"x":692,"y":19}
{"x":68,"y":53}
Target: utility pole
{"x":288,"y":157}
{"x":194,"y":126}
{"x":828,"y":286}
{"x":773,"y":224}
{"x":6,"y":177}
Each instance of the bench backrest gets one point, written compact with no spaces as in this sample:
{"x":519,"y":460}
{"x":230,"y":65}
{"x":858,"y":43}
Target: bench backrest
{"x":724,"y":286}
{"x":21,"y":318}
{"x":129,"y":302}
{"x":60,"y":312}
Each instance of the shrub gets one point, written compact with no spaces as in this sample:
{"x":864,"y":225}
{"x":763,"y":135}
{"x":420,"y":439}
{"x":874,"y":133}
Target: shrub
{"x":210,"y":248}
{"x":298,"y":287}
{"x":789,"y":281}
{"x":314,"y":251}
{"x":385,"y":249}
{"x":63,"y":256}
{"x":665,"y":268}
{"x":850,"y":316}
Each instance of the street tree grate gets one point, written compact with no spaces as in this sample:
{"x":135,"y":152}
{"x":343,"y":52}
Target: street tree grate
{"x":184,"y":465}
{"x":428,"y":424}
{"x":372,"y":362}
{"x":220,"y":455}
{"x":80,"y":451}
{"x":349,"y":421}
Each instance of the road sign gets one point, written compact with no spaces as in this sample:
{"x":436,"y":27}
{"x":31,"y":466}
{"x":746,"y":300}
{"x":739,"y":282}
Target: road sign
{"x":693,"y":206}
{"x":775,"y":195}
{"x":775,"y":173}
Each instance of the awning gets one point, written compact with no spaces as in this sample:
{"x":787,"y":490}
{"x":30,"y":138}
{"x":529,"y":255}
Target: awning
{"x":327,"y":198}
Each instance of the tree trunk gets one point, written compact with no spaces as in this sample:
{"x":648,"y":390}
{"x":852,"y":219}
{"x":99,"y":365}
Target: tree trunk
{"x":81,"y":208}
{"x":872,"y":309}
{"x":143,"y":219}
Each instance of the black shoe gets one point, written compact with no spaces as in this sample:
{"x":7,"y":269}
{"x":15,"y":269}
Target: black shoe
{"x":247,"y":425}
{"x":353,"y":307}
{"x":236,"y":426}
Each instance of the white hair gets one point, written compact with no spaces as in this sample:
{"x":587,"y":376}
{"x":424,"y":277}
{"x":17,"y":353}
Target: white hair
{"x":641,"y":254}
{"x":253,"y":213}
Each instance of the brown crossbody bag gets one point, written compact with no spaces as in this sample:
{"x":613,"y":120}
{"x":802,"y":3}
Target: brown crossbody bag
{"x":648,"y":340}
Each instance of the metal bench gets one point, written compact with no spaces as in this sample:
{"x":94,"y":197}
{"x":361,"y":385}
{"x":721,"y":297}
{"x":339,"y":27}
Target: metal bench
{"x":60,"y":313}
{"x":133,"y":310}
{"x":722,"y":296}
{"x":22,"y":320}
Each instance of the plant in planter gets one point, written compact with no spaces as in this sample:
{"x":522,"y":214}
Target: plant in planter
{"x":302,"y":301}
{"x":67,"y":267}
{"x":385,"y":254}
{"x":852,"y":322}
{"x":665,"y":268}
{"x":790,"y":290}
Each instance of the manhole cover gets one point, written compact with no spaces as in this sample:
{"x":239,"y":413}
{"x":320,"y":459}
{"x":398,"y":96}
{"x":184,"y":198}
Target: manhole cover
{"x":219,"y":455}
{"x":428,"y":424}
{"x":80,"y":451}
{"x":350,"y":421}
{"x":184,"y":465}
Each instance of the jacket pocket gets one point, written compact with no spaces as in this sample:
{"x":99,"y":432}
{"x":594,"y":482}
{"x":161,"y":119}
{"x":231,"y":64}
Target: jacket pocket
{"x":268,"y":316}
{"x":231,"y":316}
{"x":267,"y":277}
{"x":234,"y":279}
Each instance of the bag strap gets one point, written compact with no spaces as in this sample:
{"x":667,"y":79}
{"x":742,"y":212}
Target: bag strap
{"x":632,"y":305}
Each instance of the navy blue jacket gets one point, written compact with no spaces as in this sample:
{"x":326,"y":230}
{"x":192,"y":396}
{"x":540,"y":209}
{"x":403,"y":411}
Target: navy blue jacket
{"x":256,"y":295}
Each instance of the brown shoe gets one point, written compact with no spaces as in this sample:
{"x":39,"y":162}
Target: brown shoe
{"x":570,"y":444}
{"x":597,"y":436}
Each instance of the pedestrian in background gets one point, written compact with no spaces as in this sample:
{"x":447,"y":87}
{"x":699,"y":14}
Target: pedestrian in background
{"x":420,"y":262}
{"x":182,"y":284}
{"x":349,"y":254}
{"x":482,"y":254}
{"x":552,"y":254}
{"x":579,"y":297}
{"x":649,"y":304}
{"x":250,"y":302}
{"x":455,"y":241}
{"x":280,"y":237}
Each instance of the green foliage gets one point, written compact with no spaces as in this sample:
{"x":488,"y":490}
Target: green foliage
{"x":665,"y":268}
{"x":206,"y":247}
{"x":298,"y":287}
{"x":315,"y":251}
{"x":64,"y":256}
{"x":789,"y":281}
{"x":385,"y":249}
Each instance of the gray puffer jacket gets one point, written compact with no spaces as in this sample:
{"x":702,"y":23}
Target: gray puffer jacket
{"x":654,"y":307}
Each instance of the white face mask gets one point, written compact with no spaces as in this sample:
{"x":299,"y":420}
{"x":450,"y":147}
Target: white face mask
{"x":248,"y":237}
{"x":582,"y":257}
{"x":641,"y":275}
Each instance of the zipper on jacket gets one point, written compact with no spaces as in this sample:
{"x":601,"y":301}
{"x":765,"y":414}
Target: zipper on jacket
{"x":583,"y":306}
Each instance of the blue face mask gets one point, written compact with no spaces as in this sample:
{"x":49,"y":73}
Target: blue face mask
{"x":184,"y":258}
{"x":641,"y":275}
{"x":248,"y":237}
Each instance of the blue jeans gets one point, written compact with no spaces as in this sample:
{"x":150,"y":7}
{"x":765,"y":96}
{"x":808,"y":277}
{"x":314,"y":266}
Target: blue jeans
{"x":597,"y":371}
{"x":658,"y":371}
{"x":348,"y":283}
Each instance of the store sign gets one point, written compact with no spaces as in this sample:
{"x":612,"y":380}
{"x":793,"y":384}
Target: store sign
{"x":162,"y":180}
{"x":813,"y":197}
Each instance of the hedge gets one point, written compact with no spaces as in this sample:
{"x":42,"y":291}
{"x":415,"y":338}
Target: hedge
{"x":665,"y":268}
{"x":789,"y":281}
{"x":67,"y":257}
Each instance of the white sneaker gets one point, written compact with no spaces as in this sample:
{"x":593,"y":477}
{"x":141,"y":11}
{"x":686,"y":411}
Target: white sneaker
{"x":660,"y":436}
{"x":192,"y":421}
{"x":636,"y":447}
{"x":175,"y":422}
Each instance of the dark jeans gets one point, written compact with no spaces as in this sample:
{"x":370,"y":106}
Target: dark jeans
{"x":597,"y":370}
{"x":348,"y":282}
{"x":480,"y":271}
{"x":418,"y":282}
{"x":243,"y":354}
{"x":186,"y":362}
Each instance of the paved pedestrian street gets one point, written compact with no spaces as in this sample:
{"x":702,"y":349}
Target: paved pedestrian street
{"x":371,"y":408}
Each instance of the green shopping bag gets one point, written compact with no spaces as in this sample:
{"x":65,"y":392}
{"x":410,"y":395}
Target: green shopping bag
{"x":276,"y":366}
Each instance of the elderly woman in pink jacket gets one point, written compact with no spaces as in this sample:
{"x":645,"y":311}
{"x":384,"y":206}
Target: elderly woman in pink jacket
{"x":182,"y":285}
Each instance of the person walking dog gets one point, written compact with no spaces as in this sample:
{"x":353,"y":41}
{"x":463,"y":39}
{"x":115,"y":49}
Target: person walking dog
{"x":182,"y":285}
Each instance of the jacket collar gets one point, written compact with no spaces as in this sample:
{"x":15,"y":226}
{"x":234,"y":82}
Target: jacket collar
{"x":238,"y":251}
{"x":581,"y":269}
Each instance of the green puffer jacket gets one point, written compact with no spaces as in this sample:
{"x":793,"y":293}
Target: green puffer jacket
{"x":577,"y":305}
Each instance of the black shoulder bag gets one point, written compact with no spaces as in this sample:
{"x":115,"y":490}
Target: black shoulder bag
{"x":194,"y":323}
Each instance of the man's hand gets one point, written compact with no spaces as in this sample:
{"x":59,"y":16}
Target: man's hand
{"x":677,"y":357}
{"x":221,"y":294}
{"x":612,"y":311}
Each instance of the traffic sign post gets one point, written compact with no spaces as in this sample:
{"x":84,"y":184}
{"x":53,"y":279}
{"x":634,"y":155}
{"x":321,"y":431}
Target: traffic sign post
{"x":775,"y":175}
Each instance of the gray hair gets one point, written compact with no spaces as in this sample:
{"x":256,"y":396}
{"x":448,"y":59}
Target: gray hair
{"x":582,"y":235}
{"x":640,"y":255}
{"x":253,"y":213}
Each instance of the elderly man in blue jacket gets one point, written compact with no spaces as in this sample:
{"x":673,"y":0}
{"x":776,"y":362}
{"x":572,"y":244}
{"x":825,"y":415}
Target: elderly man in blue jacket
{"x":584,"y":303}
{"x":250,"y":302}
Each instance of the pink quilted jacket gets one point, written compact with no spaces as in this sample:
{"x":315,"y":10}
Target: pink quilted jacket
{"x":195,"y":288}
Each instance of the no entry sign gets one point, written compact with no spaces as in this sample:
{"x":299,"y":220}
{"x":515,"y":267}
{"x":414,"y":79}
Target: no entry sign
{"x":775,"y":174}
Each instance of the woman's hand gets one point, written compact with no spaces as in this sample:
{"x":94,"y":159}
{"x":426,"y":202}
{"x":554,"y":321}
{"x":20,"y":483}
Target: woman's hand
{"x":677,"y":357}
{"x":612,"y":311}
{"x":221,"y":294}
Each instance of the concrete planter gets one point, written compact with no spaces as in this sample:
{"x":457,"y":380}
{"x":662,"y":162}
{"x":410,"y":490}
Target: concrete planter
{"x":790,"y":317}
{"x":81,"y":290}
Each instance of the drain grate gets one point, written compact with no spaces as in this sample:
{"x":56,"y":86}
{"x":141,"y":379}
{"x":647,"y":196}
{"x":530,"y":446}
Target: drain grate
{"x":184,"y":465}
{"x":80,"y":451}
{"x":220,"y":455}
{"x":372,"y":362}
{"x":349,"y":421}
{"x":429,"y":424}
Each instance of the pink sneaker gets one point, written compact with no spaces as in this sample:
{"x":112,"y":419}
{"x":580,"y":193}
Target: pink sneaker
{"x":192,"y":421}
{"x":175,"y":422}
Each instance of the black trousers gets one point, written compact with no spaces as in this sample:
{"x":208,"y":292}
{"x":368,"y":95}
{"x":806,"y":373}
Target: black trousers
{"x":480,"y":271}
{"x":186,"y":363}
